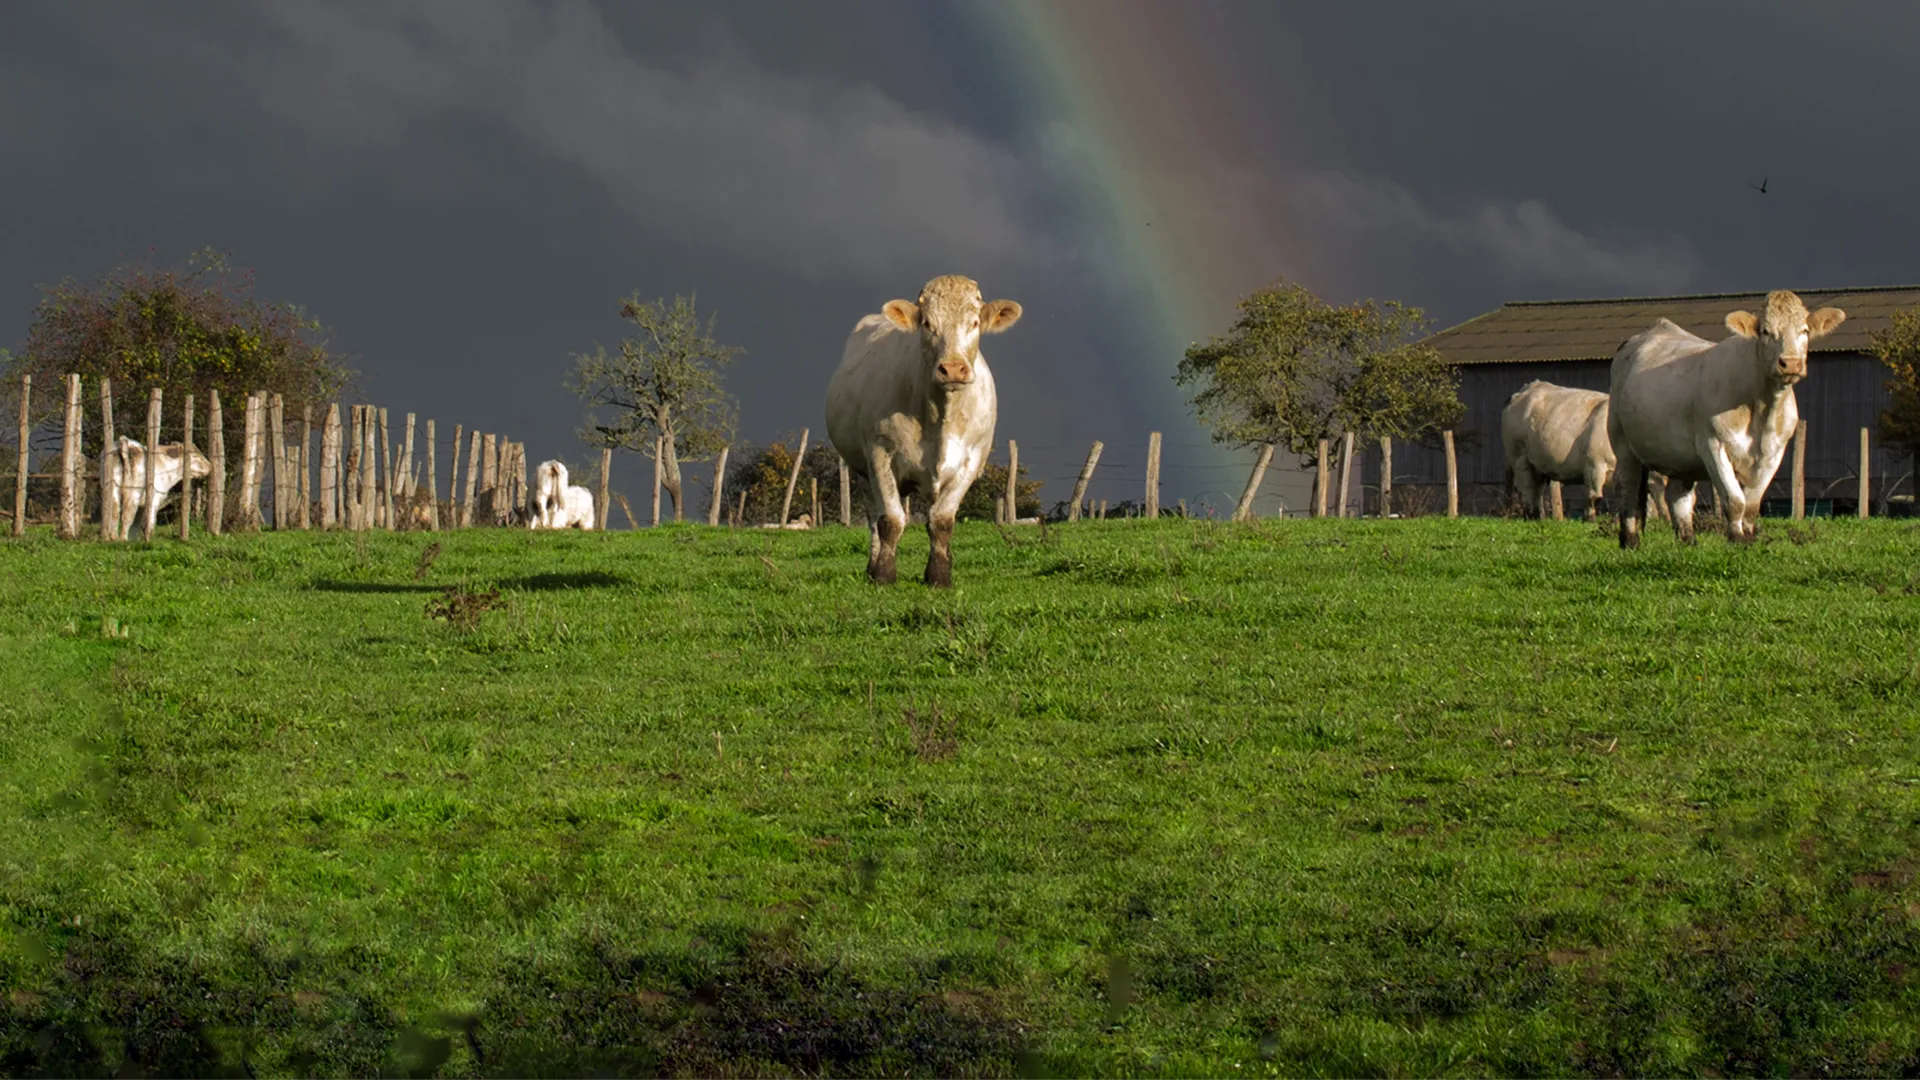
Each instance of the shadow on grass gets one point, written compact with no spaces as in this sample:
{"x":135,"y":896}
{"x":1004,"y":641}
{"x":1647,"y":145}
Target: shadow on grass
{"x":591,"y":579}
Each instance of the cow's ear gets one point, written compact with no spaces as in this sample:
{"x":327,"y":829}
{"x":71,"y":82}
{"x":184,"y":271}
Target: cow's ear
{"x":902,"y":313}
{"x":1743,"y":323}
{"x":998,"y":315}
{"x":1824,"y":320}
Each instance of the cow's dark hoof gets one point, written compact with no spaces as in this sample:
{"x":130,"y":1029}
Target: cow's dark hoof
{"x":882,"y":574}
{"x":940,"y":575}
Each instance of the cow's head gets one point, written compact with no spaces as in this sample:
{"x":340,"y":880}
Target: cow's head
{"x":1783,"y":336}
{"x":199,"y":463}
{"x":950,"y":317}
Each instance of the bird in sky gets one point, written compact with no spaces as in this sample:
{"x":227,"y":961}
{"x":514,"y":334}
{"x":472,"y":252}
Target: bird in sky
{"x":1760,"y":187}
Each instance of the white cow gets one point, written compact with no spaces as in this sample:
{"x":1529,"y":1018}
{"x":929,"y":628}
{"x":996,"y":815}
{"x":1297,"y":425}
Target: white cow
{"x":549,"y":495}
{"x":1722,"y":412}
{"x":912,"y":409}
{"x":125,"y":491}
{"x":572,"y":510}
{"x":1556,"y":433}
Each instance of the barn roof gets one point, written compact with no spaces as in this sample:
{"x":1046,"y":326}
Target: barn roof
{"x":1592,"y":329}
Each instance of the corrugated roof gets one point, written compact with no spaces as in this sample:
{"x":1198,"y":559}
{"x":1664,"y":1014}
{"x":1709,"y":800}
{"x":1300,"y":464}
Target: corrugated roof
{"x":1592,"y":329}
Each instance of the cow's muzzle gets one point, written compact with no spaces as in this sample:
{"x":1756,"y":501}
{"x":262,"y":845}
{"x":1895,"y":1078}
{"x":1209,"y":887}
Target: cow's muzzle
{"x":953,"y":371}
{"x":1790,"y":371}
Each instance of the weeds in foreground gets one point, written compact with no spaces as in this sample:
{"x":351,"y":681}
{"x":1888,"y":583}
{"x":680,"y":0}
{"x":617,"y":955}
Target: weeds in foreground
{"x":461,"y":607}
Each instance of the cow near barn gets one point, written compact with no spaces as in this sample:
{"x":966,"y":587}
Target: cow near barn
{"x":1556,"y":433}
{"x":912,"y":409}
{"x":1721,"y":412}
{"x":125,"y":490}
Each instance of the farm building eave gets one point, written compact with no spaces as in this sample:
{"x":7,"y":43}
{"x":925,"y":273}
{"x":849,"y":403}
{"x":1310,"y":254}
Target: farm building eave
{"x":1535,"y":330}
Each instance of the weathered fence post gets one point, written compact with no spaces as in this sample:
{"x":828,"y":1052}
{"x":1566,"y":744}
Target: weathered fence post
{"x":601,"y":509}
{"x":520,"y":480}
{"x":69,"y":527}
{"x":719,"y":486}
{"x":149,"y":486}
{"x":846,"y":496}
{"x":1866,"y":487}
{"x":1153,"y":476}
{"x":249,"y":466}
{"x":1554,"y":497}
{"x":1322,"y":475}
{"x":406,"y":462}
{"x":1013,"y":476}
{"x":186,"y":467}
{"x":329,"y":466}
{"x":1085,"y":478}
{"x":1103,"y":509}
{"x":793,"y":478}
{"x":740,"y":511}
{"x":109,"y":500}
{"x":1799,"y":508}
{"x":386,"y":474}
{"x":473,"y":478}
{"x":1245,"y":508}
{"x":304,"y":518}
{"x":1386,"y":476}
{"x":20,"y":473}
{"x":659,"y":448}
{"x":1346,"y":472}
{"x":369,"y":514}
{"x":433,"y":480}
{"x":813,"y":489}
{"x":277,"y":447}
{"x":999,"y":509}
{"x":1453,"y":475}
{"x":489,"y":462}
{"x":217,"y":453}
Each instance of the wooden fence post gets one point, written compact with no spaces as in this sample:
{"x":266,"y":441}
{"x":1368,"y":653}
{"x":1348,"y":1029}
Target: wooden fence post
{"x":277,"y":444}
{"x":69,"y":522}
{"x":1103,"y":509}
{"x":464,"y":519}
{"x":329,"y":466}
{"x":1555,"y":498}
{"x":369,"y":514}
{"x":1245,"y":509}
{"x":659,"y":448}
{"x":1153,"y":476}
{"x":813,"y":489}
{"x":433,"y":480}
{"x":1013,"y":476}
{"x":249,"y":467}
{"x":1386,"y":476}
{"x":1866,"y":487}
{"x":1453,"y":475}
{"x":217,"y":453}
{"x":1346,"y":473}
{"x":602,"y":508}
{"x":149,"y":488}
{"x":350,"y":470}
{"x":793,"y":478}
{"x":999,"y":509}
{"x":489,"y":462}
{"x":1322,"y":475}
{"x":719,"y":487}
{"x":520,"y":480}
{"x":846,"y":496}
{"x":186,"y":467}
{"x":386,"y":474}
{"x":740,"y":511}
{"x":306,"y":466}
{"x":406,"y":462}
{"x":1799,"y":507}
{"x":1085,"y":478}
{"x":20,"y":472}
{"x":109,"y":500}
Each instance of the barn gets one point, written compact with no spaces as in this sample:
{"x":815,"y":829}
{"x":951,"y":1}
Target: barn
{"x":1571,"y":343}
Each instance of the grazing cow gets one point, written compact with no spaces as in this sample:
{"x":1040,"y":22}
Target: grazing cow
{"x":912,"y":409}
{"x":549,"y":494}
{"x":574,"y":510}
{"x":1699,"y":410}
{"x":1556,"y":433}
{"x":125,"y":491}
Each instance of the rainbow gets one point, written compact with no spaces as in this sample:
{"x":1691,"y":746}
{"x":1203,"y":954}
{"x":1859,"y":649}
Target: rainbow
{"x":1140,"y":105}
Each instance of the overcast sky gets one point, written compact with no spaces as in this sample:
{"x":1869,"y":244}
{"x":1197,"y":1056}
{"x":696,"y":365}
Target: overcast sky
{"x":463,"y":190}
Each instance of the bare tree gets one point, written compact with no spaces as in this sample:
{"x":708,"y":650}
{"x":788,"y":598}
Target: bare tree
{"x":663,"y":382}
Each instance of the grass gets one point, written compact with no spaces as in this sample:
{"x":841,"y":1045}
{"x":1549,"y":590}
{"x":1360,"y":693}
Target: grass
{"x":1308,"y":798}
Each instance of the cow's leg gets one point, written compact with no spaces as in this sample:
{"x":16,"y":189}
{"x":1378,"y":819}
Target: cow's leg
{"x":940,"y":518}
{"x":1632,"y":478}
{"x":1733,"y":493}
{"x":1680,"y":498}
{"x":889,"y":521}
{"x":1527,"y":483}
{"x":1596,"y":490}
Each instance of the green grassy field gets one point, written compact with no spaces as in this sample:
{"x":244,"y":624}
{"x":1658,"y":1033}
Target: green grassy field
{"x":1402,"y":798}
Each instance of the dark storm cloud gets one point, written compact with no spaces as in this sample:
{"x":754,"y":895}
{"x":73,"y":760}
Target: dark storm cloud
{"x":463,"y":189}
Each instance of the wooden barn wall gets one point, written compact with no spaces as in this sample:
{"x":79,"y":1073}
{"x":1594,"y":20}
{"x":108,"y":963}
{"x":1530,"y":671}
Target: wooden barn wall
{"x":1842,"y":393}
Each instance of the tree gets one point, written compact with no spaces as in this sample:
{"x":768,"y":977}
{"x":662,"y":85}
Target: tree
{"x":187,"y":329}
{"x":663,"y":383}
{"x":1898,"y":347}
{"x":1294,"y":370}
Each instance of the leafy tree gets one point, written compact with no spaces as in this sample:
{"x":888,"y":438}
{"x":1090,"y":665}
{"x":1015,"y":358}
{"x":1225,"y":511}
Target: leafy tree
{"x":662,"y":383}
{"x":1898,"y":347}
{"x":1294,"y":370}
{"x":187,"y":329}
